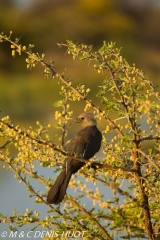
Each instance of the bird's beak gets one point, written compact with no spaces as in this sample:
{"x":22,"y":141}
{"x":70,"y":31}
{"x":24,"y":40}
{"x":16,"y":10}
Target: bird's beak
{"x":77,"y":120}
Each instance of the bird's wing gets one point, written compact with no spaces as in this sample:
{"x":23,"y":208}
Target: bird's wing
{"x":85,"y":144}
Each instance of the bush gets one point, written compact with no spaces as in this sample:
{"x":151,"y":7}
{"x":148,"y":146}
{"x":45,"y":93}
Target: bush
{"x":130,"y":109}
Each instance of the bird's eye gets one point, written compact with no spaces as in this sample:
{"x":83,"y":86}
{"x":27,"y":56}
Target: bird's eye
{"x":82,"y":118}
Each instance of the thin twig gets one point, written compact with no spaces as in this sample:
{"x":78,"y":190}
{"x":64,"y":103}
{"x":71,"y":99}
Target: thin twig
{"x":88,"y":215}
{"x":3,"y":146}
{"x":149,"y":159}
{"x":60,"y":77}
{"x":55,"y":148}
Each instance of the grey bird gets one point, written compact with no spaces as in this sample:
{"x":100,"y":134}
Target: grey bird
{"x":85,"y":144}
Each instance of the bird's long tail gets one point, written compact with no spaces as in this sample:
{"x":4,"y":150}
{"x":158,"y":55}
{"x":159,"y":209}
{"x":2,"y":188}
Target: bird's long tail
{"x":58,"y":190}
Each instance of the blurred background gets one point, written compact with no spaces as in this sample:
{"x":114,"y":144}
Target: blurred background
{"x":26,"y":96}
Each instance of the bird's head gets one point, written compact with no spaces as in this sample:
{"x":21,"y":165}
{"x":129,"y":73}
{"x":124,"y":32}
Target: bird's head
{"x":86,"y":119}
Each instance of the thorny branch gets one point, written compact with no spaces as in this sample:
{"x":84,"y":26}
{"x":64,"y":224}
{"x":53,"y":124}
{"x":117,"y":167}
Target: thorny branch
{"x":60,"y":77}
{"x":44,"y":202}
{"x":149,"y":159}
{"x":88,"y":215}
{"x":137,"y":139}
{"x":55,"y":148}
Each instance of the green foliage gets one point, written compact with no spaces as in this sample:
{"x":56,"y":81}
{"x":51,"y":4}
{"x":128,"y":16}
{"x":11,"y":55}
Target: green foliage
{"x":130,"y":110}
